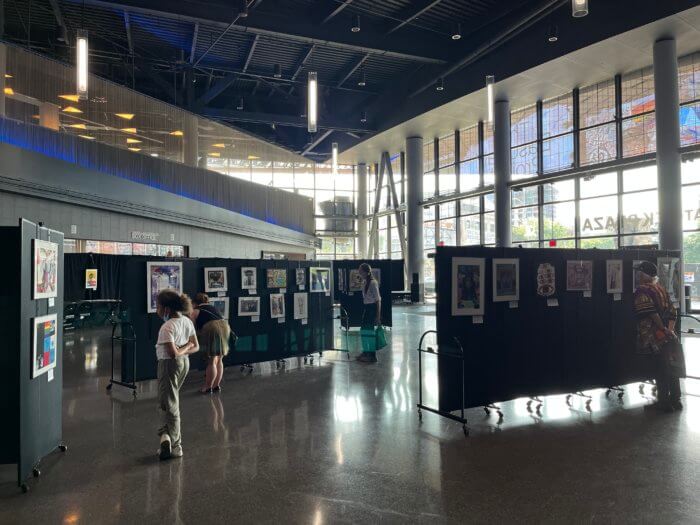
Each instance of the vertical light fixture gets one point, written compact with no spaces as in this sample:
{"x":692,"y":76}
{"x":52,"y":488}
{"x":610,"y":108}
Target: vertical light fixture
{"x":334,"y":156}
{"x":457,"y":33}
{"x":489,"y":95}
{"x":355,"y":28}
{"x":440,"y":84}
{"x":312,"y":102}
{"x":81,"y":46}
{"x":579,"y":8}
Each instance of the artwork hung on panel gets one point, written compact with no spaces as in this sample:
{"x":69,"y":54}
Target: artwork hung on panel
{"x":546,"y":280}
{"x":320,"y":279}
{"x":341,"y":279}
{"x":45,"y":269}
{"x":249,"y":278}
{"x":506,"y":280}
{"x":613,"y":275}
{"x":635,"y":275}
{"x":301,"y":277}
{"x":301,"y":306}
{"x":467,"y":286}
{"x":221,"y":304}
{"x":669,"y":269}
{"x":355,"y":281}
{"x":579,"y":276}
{"x":162,"y":275}
{"x":215,"y":280}
{"x":276,"y":278}
{"x":248,"y":306}
{"x":277,"y":306}
{"x":44,"y":341}
{"x":91,"y":279}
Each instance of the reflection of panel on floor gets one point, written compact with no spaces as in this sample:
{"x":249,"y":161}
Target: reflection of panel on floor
{"x":300,"y":340}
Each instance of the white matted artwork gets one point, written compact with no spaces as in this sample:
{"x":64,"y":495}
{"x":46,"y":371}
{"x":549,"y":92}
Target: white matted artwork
{"x":277,"y":306}
{"x":301,"y":277}
{"x":162,"y":275}
{"x":670,"y":276}
{"x":248,"y":306}
{"x":301,"y":305}
{"x":468,"y":286}
{"x":44,"y":344}
{"x":546,"y":280}
{"x":320,"y":279}
{"x":506,"y":280}
{"x":355,"y":281}
{"x":215,"y":280}
{"x":221,"y":304}
{"x":635,"y":275}
{"x":45,"y":269}
{"x":579,"y":276}
{"x":249,"y":278}
{"x":613,"y":275}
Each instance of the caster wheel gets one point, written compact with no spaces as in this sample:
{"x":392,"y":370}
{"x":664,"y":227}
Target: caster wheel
{"x":25,"y":488}
{"x":109,"y":386}
{"x":62,"y":447}
{"x":36,"y":472}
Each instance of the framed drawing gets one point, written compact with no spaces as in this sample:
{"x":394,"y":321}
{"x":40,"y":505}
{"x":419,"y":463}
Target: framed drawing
{"x":45,"y":269}
{"x":215,"y":280}
{"x":467,"y":286}
{"x":248,"y":306}
{"x":670,"y":276}
{"x":506,"y":280}
{"x":613,"y":275}
{"x":277,"y":306}
{"x":546,"y":280}
{"x":221,"y":305}
{"x":301,"y":306}
{"x":579,"y":276}
{"x":91,"y":279}
{"x":320,"y":279}
{"x":355,"y":281}
{"x":276,"y":278}
{"x":162,"y":275}
{"x":300,"y":277}
{"x":44,"y":335}
{"x":635,"y":275}
{"x":249,"y":278}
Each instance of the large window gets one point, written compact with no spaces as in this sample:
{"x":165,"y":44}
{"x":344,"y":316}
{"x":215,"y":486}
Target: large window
{"x":689,"y":85}
{"x":557,"y":132}
{"x":429,"y":169}
{"x":638,"y":115}
{"x":523,"y":137}
{"x":598,"y":135}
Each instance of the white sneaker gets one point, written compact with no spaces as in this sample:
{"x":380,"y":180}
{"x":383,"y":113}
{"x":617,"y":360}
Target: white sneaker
{"x":176,"y":452}
{"x":165,"y":447}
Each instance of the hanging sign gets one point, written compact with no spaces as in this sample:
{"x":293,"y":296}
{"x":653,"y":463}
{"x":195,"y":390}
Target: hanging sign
{"x":91,"y":279}
{"x":546,"y":283}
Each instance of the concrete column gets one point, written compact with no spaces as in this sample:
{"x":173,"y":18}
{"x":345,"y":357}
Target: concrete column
{"x":49,"y":116}
{"x":501,"y":168}
{"x":190,"y":140}
{"x":668,"y":142}
{"x":362,"y":210}
{"x":414,"y":210}
{"x":3,"y":71}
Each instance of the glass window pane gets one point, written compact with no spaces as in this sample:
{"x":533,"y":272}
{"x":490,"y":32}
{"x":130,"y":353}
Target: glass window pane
{"x":448,"y":209}
{"x":446,"y":150}
{"x":691,"y":207}
{"x":690,"y":124}
{"x":428,"y":156}
{"x":429,"y":272}
{"x":640,"y":240}
{"x":598,"y":216}
{"x":598,"y":144}
{"x":523,"y":126}
{"x":345,"y":180}
{"x":558,"y":154}
{"x":524,"y":162}
{"x":559,"y":220}
{"x":639,"y":135}
{"x":447,"y":180}
{"x":640,"y":212}
{"x":639,"y":179}
{"x":469,"y":143}
{"x":602,"y":243}
{"x":488,"y":170}
{"x":395,"y":241}
{"x":689,"y":77}
{"x":489,"y":202}
{"x":488,"y":138}
{"x":429,"y":234}
{"x":304,"y":176}
{"x":489,"y":228}
{"x":691,"y":266}
{"x":690,"y":171}
{"x":525,"y":224}
{"x":558,"y":115}
{"x":429,"y":213}
{"x":470,"y":230}
{"x":559,"y":191}
{"x":638,"y":92}
{"x":601,"y":184}
{"x":597,"y":104}
{"x":262,"y":172}
{"x":429,"y":185}
{"x":469,"y":175}
{"x":561,"y":244}
{"x":524,"y":196}
{"x":470,"y":206}
{"x":283,"y":175}
{"x":448,"y":232}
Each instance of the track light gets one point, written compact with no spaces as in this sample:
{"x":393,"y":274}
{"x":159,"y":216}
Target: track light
{"x":440,"y":85}
{"x":278,"y":71}
{"x":356,"y":24}
{"x":312,"y":102}
{"x":457,"y":34}
{"x":363,"y":116}
{"x":363,"y":79}
{"x":334,"y":157}
{"x":489,"y":95}
{"x":553,"y":34}
{"x":243,"y":9}
{"x":81,"y":47}
{"x":239,"y":107}
{"x":579,"y":8}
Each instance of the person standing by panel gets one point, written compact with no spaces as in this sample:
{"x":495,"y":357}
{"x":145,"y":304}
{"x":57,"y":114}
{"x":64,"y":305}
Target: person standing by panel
{"x":371,"y":314}
{"x":214,"y":332}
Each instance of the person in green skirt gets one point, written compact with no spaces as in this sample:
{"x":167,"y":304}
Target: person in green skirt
{"x":371,"y":314}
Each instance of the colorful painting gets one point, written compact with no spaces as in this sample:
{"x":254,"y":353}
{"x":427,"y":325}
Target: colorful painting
{"x":467,"y":286}
{"x":249,"y":278}
{"x":45,"y":269}
{"x":579,"y":276}
{"x":44,"y":344}
{"x":320,"y":279}
{"x":162,"y":275}
{"x":613,"y":275}
{"x":248,"y":306}
{"x":301,"y":277}
{"x":546,"y":280}
{"x":91,"y":279}
{"x":221,"y":305}
{"x":215,"y":280}
{"x":301,"y":306}
{"x":276,"y":278}
{"x":277,"y":306}
{"x":506,"y":280}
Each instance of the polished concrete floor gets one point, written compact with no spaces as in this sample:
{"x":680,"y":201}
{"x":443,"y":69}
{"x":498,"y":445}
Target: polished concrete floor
{"x":340,"y":442}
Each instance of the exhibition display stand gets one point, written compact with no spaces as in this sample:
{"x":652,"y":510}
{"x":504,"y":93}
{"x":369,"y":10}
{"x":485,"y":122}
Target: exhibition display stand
{"x":31,"y":386}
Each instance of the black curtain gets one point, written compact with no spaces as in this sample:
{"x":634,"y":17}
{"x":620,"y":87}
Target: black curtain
{"x":109,"y":275}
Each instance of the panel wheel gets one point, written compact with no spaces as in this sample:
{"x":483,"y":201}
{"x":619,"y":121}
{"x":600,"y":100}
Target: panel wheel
{"x":62,"y":447}
{"x":24,"y":487}
{"x":36,"y":472}
{"x":109,"y":386}
{"x":465,"y":430}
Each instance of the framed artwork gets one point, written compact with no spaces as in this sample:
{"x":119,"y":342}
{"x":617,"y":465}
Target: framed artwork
{"x":248,"y":306}
{"x":221,"y":305}
{"x":506,"y":280}
{"x":320,"y":279}
{"x":215,"y":280}
{"x":300,"y":277}
{"x":579,"y":276}
{"x":276,"y":278}
{"x":91,"y":279}
{"x":341,"y":279}
{"x":249,"y":278}
{"x":355,"y":281}
{"x":45,"y":269}
{"x":546,"y":280}
{"x":162,"y":275}
{"x":670,"y":276}
{"x":301,"y":306}
{"x":635,"y":275}
{"x":613,"y":275}
{"x":467,"y":286}
{"x":44,"y":345}
{"x":277,"y":306}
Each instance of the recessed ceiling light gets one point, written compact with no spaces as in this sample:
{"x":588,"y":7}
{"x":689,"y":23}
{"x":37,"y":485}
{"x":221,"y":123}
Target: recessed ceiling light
{"x":71,"y":98}
{"x":457,"y":34}
{"x":214,"y":154}
{"x":219,"y":145}
{"x":135,"y":149}
{"x":9,"y":91}
{"x":177,"y":133}
{"x":125,"y":116}
{"x":86,"y":137}
{"x":77,"y":126}
{"x":129,"y":130}
{"x":71,"y":109}
{"x":133,"y":141}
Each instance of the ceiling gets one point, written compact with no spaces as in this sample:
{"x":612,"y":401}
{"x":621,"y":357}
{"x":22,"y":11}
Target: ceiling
{"x":206,"y":57}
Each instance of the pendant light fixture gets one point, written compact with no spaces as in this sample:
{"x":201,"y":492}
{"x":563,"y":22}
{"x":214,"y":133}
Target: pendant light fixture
{"x":457,"y":33}
{"x":440,"y":85}
{"x":243,"y":9}
{"x":489,"y":95}
{"x":239,"y":107}
{"x":363,"y":116}
{"x":312,"y":102}
{"x":356,"y":24}
{"x":81,"y":47}
{"x":334,"y":158}
{"x":579,"y":8}
{"x":278,"y":71}
{"x":553,"y":33}
{"x":363,"y":79}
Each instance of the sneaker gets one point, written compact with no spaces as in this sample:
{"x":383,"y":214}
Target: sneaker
{"x":165,"y":447}
{"x":659,"y":407}
{"x":216,"y":389}
{"x":677,"y":405}
{"x":176,"y":452}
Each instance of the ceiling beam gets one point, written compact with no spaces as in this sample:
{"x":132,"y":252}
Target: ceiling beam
{"x":163,"y":84}
{"x":293,"y":121}
{"x":219,"y":87}
{"x":301,"y":65}
{"x":195,"y":34}
{"x":60,"y":20}
{"x":127,"y":28}
{"x":249,"y":57}
{"x":352,"y":70}
{"x":323,"y":136}
{"x":337,"y":10}
{"x":406,"y":18}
